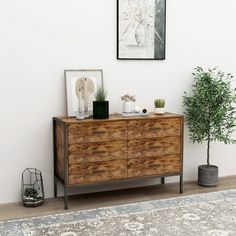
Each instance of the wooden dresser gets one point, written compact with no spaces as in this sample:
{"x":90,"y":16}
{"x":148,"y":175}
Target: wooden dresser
{"x":93,"y":151}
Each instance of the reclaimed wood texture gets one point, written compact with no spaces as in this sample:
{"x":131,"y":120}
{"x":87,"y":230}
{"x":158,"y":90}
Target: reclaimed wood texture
{"x":59,"y":151}
{"x":120,"y":148}
{"x":98,"y":171}
{"x":140,"y":148}
{"x":97,"y":132}
{"x":154,"y":166}
{"x":140,"y":129}
{"x":97,"y":152}
{"x":118,"y":117}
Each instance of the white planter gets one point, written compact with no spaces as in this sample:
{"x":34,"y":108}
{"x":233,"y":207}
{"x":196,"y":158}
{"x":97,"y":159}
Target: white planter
{"x":128,"y":107}
{"x":159,"y":110}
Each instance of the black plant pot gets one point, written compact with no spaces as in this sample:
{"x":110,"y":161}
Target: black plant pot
{"x":207,"y":175}
{"x":100,"y":110}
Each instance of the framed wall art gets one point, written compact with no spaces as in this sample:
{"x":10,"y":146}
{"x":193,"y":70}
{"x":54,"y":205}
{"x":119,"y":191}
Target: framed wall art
{"x":81,"y":87}
{"x":141,"y":29}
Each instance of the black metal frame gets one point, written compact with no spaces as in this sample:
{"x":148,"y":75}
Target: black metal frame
{"x":34,"y":202}
{"x":182,"y":155}
{"x":65,"y":181}
{"x":56,"y":178}
{"x":117,"y":42}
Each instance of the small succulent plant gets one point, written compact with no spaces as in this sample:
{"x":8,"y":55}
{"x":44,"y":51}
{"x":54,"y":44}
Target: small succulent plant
{"x":31,"y":192}
{"x":128,"y":98}
{"x":100,"y":95}
{"x":159,"y":103}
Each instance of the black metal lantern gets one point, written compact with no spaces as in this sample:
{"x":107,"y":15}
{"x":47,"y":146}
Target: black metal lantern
{"x":32,"y":190}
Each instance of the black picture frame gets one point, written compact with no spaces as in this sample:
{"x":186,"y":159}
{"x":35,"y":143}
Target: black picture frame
{"x":159,"y":35}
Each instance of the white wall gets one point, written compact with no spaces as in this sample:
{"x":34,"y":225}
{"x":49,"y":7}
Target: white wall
{"x":41,"y":38}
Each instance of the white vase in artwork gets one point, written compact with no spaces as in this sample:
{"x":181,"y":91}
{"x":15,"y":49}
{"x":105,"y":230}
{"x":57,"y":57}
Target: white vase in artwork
{"x":128,"y":107}
{"x":140,"y":33}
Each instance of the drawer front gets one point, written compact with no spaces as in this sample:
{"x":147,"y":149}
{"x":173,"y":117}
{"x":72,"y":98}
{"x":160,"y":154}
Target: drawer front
{"x":96,"y":172}
{"x":97,"y":132}
{"x":154,"y":128}
{"x":152,"y":166}
{"x":141,"y":148}
{"x":97,"y":152}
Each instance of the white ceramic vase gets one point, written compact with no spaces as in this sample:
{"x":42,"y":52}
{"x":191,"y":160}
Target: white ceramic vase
{"x":140,"y":34}
{"x":159,"y":110}
{"x":128,"y":107}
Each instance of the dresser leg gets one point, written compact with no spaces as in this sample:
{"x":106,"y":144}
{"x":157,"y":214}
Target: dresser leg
{"x":162,"y":180}
{"x":65,"y":197}
{"x":181,"y":184}
{"x":55,"y":187}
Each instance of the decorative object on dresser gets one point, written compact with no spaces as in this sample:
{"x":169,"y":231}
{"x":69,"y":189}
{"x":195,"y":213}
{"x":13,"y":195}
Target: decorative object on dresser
{"x":81,"y":87}
{"x":137,"y":109}
{"x":32,"y":190}
{"x":159,"y":106}
{"x":100,"y":106}
{"x":129,"y":109}
{"x":210,"y":115}
{"x":128,"y":103}
{"x":141,"y":29}
{"x":92,"y":151}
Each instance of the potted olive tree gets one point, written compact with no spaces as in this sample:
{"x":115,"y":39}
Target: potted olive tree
{"x":100,"y":106}
{"x":210,"y":115}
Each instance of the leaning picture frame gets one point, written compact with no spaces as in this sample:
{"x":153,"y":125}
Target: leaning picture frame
{"x":81,"y":86}
{"x":141,"y":29}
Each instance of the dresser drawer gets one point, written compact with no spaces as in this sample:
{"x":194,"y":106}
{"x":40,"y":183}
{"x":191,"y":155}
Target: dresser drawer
{"x":140,"y":148}
{"x":152,"y":166}
{"x":153,"y":128}
{"x":96,"y":172}
{"x":97,"y":132}
{"x":97,"y":152}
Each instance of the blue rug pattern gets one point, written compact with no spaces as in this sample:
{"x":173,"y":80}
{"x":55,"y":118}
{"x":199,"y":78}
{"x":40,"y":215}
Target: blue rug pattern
{"x":210,"y":214}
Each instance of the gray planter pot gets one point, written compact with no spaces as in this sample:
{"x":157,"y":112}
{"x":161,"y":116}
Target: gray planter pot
{"x":207,"y":175}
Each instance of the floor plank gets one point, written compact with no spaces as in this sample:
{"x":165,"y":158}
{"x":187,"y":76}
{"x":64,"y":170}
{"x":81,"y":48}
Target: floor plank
{"x":111,"y":198}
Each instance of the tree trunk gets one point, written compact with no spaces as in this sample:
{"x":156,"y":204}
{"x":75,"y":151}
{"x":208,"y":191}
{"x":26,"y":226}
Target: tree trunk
{"x":208,"y":151}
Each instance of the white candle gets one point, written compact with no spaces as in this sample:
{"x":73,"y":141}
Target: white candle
{"x":79,"y":101}
{"x":85,"y":96}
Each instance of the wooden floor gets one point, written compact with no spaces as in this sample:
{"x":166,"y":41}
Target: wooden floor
{"x":111,"y":198}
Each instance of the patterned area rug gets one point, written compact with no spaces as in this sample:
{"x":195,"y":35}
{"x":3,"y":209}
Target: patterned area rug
{"x":201,"y":215}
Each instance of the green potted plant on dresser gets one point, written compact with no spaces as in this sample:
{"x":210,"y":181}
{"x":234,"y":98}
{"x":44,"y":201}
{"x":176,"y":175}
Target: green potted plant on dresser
{"x":100,"y":105}
{"x":159,"y":106}
{"x":210,"y":115}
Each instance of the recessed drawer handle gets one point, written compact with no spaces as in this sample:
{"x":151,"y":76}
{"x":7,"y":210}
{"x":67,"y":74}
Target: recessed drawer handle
{"x":154,"y":147}
{"x":99,"y":171}
{"x":99,"y":152}
{"x":99,"y":132}
{"x":154,"y":129}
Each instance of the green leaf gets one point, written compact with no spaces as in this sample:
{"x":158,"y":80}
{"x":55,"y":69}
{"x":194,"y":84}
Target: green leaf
{"x":209,"y":107}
